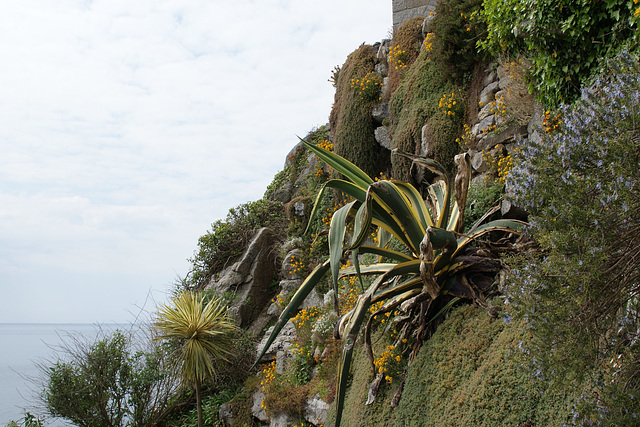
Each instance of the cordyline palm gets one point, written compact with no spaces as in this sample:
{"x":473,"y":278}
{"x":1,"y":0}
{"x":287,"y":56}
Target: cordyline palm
{"x":200,"y":333}
{"x":438,"y":267}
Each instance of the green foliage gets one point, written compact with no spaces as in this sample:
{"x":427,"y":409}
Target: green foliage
{"x":564,"y":39}
{"x":416,"y":103}
{"x":225,"y":242}
{"x":455,"y":32}
{"x":350,"y":118}
{"x":481,"y":198}
{"x":29,"y":420}
{"x":439,"y":73}
{"x":108,"y":384}
{"x":470,"y":372}
{"x":581,"y":185}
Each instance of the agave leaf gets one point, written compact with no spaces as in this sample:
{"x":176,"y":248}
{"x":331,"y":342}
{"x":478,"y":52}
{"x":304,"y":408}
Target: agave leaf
{"x":341,"y":165}
{"x":508,"y":225}
{"x":387,"y":253}
{"x":413,"y":282}
{"x":346,"y":187}
{"x":303,"y":291}
{"x":362,"y":224}
{"x":379,"y":268}
{"x":417,"y":203}
{"x":484,"y":218}
{"x":337,"y":231}
{"x":384,"y":237}
{"x":392,"y":200}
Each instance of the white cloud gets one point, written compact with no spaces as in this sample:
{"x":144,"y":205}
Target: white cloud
{"x":129,"y":127}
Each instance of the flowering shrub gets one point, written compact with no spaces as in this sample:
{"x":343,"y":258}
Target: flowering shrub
{"x":369,"y":86}
{"x":398,"y":58}
{"x":581,"y":185}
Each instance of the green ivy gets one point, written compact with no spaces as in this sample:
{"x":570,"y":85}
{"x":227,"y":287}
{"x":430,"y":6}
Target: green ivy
{"x":564,"y":39}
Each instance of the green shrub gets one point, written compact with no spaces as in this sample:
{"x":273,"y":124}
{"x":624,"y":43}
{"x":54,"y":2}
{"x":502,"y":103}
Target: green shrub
{"x":350,"y":118}
{"x":581,"y":186}
{"x":108,"y":383}
{"x":564,"y":40}
{"x":455,"y":32}
{"x":226,"y":241}
{"x":416,"y":103}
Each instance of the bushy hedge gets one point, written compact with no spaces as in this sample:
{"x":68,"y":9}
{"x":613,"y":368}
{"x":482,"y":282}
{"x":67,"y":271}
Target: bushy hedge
{"x":581,"y":186}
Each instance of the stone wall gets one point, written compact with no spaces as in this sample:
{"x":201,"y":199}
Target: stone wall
{"x":407,"y":9}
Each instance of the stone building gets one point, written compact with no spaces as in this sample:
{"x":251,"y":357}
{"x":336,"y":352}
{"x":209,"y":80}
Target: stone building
{"x":407,"y":9}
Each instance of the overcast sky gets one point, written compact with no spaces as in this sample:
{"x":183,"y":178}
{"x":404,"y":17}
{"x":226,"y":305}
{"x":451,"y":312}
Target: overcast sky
{"x":129,"y":126}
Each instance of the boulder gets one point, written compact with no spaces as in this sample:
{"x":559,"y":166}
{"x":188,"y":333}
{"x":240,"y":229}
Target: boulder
{"x":257,"y":409}
{"x":382,"y":137}
{"x":250,"y":278}
{"x":488,"y":94}
{"x":282,"y":342}
{"x":226,"y":414}
{"x":380,"y":112}
{"x":315,"y":410}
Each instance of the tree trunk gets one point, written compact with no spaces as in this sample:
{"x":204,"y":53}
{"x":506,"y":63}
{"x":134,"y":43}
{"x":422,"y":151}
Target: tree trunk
{"x":199,"y":405}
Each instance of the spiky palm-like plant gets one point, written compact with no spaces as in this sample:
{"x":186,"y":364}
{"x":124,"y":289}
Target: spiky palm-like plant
{"x":437,"y":268}
{"x":199,"y":333}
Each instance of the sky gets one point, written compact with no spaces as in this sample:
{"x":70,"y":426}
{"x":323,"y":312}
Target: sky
{"x":127,"y":127}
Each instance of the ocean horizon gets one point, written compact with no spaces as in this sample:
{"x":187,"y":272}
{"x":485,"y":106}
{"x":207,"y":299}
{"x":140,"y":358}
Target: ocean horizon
{"x":26,"y":347}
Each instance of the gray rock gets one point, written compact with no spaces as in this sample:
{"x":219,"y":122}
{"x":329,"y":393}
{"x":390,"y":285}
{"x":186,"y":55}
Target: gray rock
{"x":256,"y":409}
{"x":382,"y":137}
{"x":291,"y":265}
{"x":490,"y":76}
{"x":316,"y":410}
{"x":488,"y":93}
{"x":382,"y":68}
{"x":283,"y":193}
{"x":380,"y":112}
{"x":477,"y":162}
{"x":483,"y":124}
{"x":250,"y":278}
{"x":299,"y":147}
{"x":282,"y":342}
{"x":280,"y":420}
{"x":503,"y":137}
{"x":225,"y":414}
{"x":426,"y":146}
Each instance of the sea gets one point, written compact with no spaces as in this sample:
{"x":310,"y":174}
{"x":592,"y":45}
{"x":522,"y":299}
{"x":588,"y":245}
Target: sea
{"x":25,"y":347}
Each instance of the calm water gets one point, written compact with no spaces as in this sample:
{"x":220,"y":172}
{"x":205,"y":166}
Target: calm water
{"x":23,"y":346}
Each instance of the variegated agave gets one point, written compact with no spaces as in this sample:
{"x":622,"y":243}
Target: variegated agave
{"x":437,"y":269}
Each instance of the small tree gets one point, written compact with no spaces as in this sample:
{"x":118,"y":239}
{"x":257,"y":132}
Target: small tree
{"x":198,"y":334}
{"x":107,"y":383}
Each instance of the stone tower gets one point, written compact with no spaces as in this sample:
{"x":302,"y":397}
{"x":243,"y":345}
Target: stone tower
{"x":407,"y":9}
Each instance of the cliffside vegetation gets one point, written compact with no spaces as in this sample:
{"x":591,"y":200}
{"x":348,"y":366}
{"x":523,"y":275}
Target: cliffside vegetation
{"x":547,"y":334}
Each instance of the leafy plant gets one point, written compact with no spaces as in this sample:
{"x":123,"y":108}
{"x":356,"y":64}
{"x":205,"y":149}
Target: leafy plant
{"x":441,"y":267}
{"x":564,"y":40}
{"x":198,"y":333}
{"x":105,"y":383}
